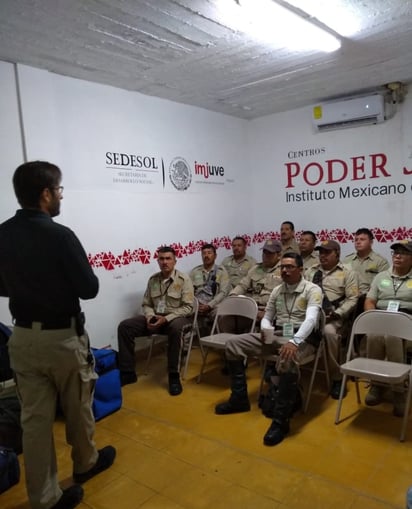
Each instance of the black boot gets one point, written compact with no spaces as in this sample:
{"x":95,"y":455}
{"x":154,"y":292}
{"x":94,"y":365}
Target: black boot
{"x":285,"y":403}
{"x":175,"y":387}
{"x":238,"y":401}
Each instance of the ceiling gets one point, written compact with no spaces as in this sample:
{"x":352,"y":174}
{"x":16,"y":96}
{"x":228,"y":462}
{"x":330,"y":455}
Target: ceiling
{"x":188,"y":51}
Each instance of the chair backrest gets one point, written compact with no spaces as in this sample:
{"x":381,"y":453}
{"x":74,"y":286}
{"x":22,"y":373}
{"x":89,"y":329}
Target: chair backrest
{"x":377,"y":321}
{"x":236,"y":305}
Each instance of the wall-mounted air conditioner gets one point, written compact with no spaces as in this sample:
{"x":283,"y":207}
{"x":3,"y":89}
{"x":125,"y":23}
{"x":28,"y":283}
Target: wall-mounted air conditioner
{"x":349,"y":112}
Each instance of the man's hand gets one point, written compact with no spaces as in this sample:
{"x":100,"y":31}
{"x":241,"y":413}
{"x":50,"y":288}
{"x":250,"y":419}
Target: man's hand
{"x":288,"y":351}
{"x":204,"y":309}
{"x":260,"y":315}
{"x":332,"y":316}
{"x":155,"y":322}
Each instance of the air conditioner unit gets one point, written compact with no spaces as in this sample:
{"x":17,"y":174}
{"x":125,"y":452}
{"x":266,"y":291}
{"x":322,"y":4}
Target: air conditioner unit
{"x":349,"y":112}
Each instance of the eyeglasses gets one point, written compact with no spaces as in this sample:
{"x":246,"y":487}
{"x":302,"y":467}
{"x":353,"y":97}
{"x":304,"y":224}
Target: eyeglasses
{"x":401,"y":253}
{"x":288,"y":267}
{"x":59,"y":188}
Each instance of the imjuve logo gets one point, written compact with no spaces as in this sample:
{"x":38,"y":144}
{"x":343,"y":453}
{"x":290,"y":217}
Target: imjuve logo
{"x":209,"y":170}
{"x":180,"y":174}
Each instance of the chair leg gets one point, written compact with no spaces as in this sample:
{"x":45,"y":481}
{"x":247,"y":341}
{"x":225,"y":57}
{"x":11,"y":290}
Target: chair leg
{"x":325,"y":362}
{"x":149,"y":355}
{"x":339,"y":407}
{"x":312,"y":379}
{"x":406,"y":415}
{"x":204,"y":354}
{"x":189,"y":351}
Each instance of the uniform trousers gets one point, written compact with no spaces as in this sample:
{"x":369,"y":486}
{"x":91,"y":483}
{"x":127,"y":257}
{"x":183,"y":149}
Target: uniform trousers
{"x":249,"y":345}
{"x":133,"y":328}
{"x":47,"y":364}
{"x":385,"y":347}
{"x":334,"y":331}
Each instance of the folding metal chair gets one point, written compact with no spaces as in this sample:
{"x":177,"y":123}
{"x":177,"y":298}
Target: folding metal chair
{"x":187,"y":335}
{"x":236,"y":305}
{"x":379,"y":322}
{"x":314,"y":359}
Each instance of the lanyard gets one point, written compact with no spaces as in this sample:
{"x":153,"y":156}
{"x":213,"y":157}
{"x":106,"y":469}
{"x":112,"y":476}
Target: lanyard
{"x":169,"y":282}
{"x":289,"y":311}
{"x":397,"y":285}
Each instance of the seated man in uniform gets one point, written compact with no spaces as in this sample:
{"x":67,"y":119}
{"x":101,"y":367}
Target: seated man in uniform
{"x":295,"y":305}
{"x":391,"y":290}
{"x":262,"y":278}
{"x":307,"y":243}
{"x":167,"y":305}
{"x":340,"y":295}
{"x":211,"y":285}
{"x":239,"y":263}
{"x":365,"y":262}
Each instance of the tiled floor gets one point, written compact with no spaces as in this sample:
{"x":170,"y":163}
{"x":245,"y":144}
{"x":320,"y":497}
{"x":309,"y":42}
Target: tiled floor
{"x":174,"y":452}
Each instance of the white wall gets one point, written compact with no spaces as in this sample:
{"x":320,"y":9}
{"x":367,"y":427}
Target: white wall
{"x":274,"y":142}
{"x":75,"y":123}
{"x":11,"y":153}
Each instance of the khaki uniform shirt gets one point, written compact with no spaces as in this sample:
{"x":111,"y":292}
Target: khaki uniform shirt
{"x":339,"y":282}
{"x":259,"y":283}
{"x":176,"y":293}
{"x":201,"y":284}
{"x":293,"y":247}
{"x":310,"y":261}
{"x":366,"y":268}
{"x":289,"y":304}
{"x":387,"y":286}
{"x":237,"y":270}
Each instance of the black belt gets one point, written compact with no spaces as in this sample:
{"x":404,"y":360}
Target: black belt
{"x":65,"y":323}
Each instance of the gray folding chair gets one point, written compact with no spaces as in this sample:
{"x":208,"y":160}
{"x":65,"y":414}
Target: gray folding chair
{"x":236,"y":305}
{"x":314,"y":359}
{"x":384,"y":372}
{"x":187,"y":337}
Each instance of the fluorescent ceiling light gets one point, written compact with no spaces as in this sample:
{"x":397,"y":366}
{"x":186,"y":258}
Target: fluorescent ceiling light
{"x":273,"y":24}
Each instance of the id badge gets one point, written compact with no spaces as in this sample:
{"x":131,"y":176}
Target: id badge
{"x":393,"y":305}
{"x":161,"y":307}
{"x":287,"y":330}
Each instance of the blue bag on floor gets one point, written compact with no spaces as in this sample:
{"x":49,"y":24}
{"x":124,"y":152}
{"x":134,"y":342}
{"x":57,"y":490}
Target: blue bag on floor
{"x":107,"y":391}
{"x":9,"y":469}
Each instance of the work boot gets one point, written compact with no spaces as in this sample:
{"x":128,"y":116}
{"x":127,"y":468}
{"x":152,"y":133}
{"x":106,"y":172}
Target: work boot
{"x":374,"y":396}
{"x":284,"y":406}
{"x":335,"y":389}
{"x":276,"y":432}
{"x":399,"y":404}
{"x":239,"y":400}
{"x":175,"y":387}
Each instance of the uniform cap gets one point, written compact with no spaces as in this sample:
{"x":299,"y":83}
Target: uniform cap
{"x":273,"y":246}
{"x":405,"y":244}
{"x":329,"y":245}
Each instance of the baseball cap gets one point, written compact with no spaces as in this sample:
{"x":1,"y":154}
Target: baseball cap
{"x":273,"y":246}
{"x":329,"y":245}
{"x":405,"y":244}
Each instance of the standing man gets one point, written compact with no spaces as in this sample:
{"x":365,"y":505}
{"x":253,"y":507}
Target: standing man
{"x":211,"y":285}
{"x":295,"y":306}
{"x":340,"y":295}
{"x":391,"y":290}
{"x":307,"y":243}
{"x":239,"y":263}
{"x":44,"y":271}
{"x":287,"y":237}
{"x":167,"y":305}
{"x":365,"y":262}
